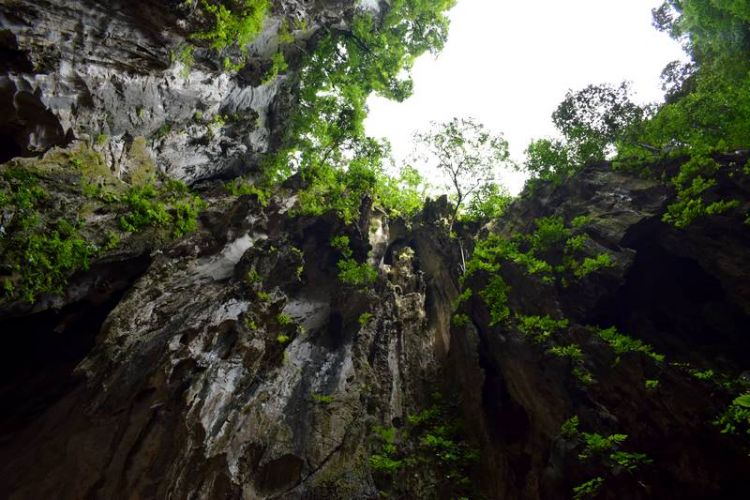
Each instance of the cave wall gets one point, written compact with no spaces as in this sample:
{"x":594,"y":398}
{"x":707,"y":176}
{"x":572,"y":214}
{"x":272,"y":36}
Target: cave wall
{"x":233,"y":363}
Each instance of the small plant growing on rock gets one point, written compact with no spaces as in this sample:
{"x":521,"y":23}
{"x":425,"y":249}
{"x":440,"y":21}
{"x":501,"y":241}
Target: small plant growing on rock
{"x":621,"y":344}
{"x":736,"y":418}
{"x":540,"y":328}
{"x":364,"y":318}
{"x":324,"y":399}
{"x":459,"y":320}
{"x":283,"y":339}
{"x":284,"y":319}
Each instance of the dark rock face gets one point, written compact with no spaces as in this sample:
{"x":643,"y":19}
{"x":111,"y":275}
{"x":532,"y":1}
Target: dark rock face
{"x":234,"y":363}
{"x":675,"y":289}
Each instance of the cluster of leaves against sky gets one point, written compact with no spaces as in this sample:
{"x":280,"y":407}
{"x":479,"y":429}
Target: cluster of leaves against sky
{"x":707,"y":109}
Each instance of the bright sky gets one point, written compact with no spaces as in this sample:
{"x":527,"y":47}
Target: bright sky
{"x":509,"y":63}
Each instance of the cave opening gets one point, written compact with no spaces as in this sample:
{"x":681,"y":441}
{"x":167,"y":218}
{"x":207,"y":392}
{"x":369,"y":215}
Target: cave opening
{"x":42,"y":349}
{"x":674,"y":304}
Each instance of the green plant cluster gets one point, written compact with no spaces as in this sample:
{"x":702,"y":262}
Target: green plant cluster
{"x":621,"y":344}
{"x":233,"y":22}
{"x":38,"y":255}
{"x":540,"y":328}
{"x":604,"y":452}
{"x":170,"y":205}
{"x":364,"y":319}
{"x":574,"y":354}
{"x":278,"y":66}
{"x":431,"y":440}
{"x":706,"y":112}
{"x":41,"y":247}
{"x":242,"y":187}
{"x":736,"y":418}
{"x":351,"y":272}
{"x":325,"y":141}
{"x":553,"y":251}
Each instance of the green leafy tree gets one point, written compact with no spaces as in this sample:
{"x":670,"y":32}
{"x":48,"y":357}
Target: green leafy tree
{"x":466,"y":153}
{"x":325,"y":140}
{"x":592,"y":119}
{"x":488,"y":202}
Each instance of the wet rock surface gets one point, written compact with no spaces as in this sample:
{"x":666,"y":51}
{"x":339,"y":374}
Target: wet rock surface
{"x":110,"y":72}
{"x":234,"y":363}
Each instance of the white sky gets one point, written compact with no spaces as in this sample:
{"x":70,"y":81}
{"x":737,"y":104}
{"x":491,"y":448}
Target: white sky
{"x":509,"y":63}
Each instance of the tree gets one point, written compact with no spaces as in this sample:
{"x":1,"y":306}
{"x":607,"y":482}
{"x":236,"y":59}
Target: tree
{"x":466,"y":152}
{"x":593,"y":118}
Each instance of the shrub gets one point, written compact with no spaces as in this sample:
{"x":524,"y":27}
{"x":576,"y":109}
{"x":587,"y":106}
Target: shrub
{"x":622,"y":344}
{"x":495,"y":295}
{"x":239,"y":24}
{"x":354,"y":273}
{"x":540,"y":328}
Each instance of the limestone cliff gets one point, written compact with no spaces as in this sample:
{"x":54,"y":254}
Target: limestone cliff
{"x":217,"y":353}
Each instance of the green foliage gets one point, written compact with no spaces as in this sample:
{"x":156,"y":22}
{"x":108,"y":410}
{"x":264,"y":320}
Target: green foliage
{"x":403,"y":195}
{"x":253,"y":276}
{"x":736,"y":418}
{"x":462,"y":297}
{"x":495,"y":295}
{"x":49,"y":258}
{"x":38,"y":256}
{"x":695,"y":178}
{"x":574,"y":355}
{"x":602,"y":452}
{"x":651,"y":384}
{"x":170,"y":205}
{"x":358,"y":274}
{"x":540,"y":328}
{"x":621,"y":344}
{"x":325,"y":141}
{"x":323,"y":399}
{"x":589,"y":489}
{"x":580,"y":221}
{"x":341,"y":243}
{"x":550,"y":251}
{"x":708,"y":103}
{"x":364,"y":318}
{"x":431,"y":441}
{"x":234,"y":22}
{"x":284,"y":319}
{"x":591,"y":265}
{"x":549,"y":160}
{"x":489,"y":202}
{"x":550,"y":233}
{"x":243,"y":187}
{"x":466,"y":153}
{"x":283,"y":339}
{"x":569,"y":428}
{"x":351,"y":271}
{"x":278,"y":66}
{"x":185,"y":57}
{"x":459,"y":320}
{"x":571,"y":352}
{"x":704,"y":375}
{"x":591,"y":120}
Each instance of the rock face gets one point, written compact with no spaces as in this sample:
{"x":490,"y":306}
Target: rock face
{"x":109,"y":72}
{"x":247,"y":387}
{"x":235,"y":363}
{"x":674,"y":289}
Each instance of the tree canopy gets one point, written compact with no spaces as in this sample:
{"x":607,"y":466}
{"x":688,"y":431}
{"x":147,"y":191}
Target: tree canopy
{"x":466,"y":152}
